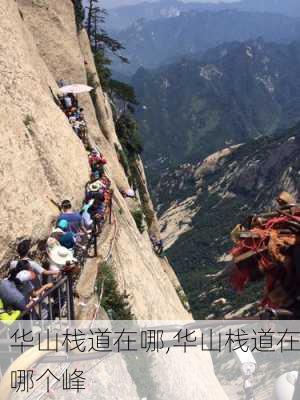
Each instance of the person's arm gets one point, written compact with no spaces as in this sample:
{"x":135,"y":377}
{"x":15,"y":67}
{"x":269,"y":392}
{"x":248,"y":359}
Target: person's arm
{"x":50,"y":273}
{"x":40,"y":270}
{"x":36,"y":294}
{"x":42,"y":289}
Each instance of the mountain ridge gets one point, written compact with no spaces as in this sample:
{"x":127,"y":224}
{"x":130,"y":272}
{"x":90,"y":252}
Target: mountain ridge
{"x":146,"y":44}
{"x":235,"y":92}
{"x":123,"y":16}
{"x":222,"y":191}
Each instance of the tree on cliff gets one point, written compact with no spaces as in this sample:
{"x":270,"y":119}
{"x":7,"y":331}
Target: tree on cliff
{"x":103,"y":46}
{"x":79,"y":13}
{"x":99,"y":38}
{"x":128,"y":134}
{"x":124,"y":94}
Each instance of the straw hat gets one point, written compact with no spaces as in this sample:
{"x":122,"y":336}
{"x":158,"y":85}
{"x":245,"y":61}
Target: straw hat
{"x":59,"y":255}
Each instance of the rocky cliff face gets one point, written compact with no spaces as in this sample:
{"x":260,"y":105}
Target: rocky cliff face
{"x":215,"y":195}
{"x":52,"y":25}
{"x":42,"y":159}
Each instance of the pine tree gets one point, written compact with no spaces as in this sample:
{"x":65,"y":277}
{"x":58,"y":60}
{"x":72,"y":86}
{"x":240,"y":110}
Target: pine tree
{"x":102,"y":44}
{"x":79,"y":14}
{"x":124,"y":93}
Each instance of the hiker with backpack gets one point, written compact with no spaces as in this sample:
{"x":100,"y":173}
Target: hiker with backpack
{"x":95,"y":179}
{"x":59,"y":256}
{"x":63,"y":235}
{"x":95,"y":196}
{"x":23,"y":250}
{"x":97,"y":162}
{"x":73,"y":218}
{"x":18,"y":291}
{"x":67,"y":102}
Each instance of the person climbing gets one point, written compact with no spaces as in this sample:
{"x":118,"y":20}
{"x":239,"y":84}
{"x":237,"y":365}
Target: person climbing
{"x":23,"y":250}
{"x":97,"y":162}
{"x":65,"y":237}
{"x":95,"y":179}
{"x":81,"y":114}
{"x":159,"y":247}
{"x":58,"y":256}
{"x":67,"y":102}
{"x":157,"y":244}
{"x":72,"y":217}
{"x":73,"y":100}
{"x":86,"y":216}
{"x":18,"y":290}
{"x":95,"y":196}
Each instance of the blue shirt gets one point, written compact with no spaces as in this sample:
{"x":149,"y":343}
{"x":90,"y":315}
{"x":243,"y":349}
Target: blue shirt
{"x":74,"y":219}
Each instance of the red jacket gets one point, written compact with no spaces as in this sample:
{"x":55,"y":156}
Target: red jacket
{"x":97,"y":159}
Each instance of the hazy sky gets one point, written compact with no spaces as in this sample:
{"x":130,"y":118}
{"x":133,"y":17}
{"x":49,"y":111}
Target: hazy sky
{"x":114,"y":3}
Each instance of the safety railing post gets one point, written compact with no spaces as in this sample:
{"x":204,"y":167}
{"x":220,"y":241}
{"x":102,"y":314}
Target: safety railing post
{"x":70,"y":299}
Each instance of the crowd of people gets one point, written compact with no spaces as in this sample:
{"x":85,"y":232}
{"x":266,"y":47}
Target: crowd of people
{"x":28,"y":279}
{"x":75,"y":115}
{"x":71,"y":235}
{"x":69,"y":241}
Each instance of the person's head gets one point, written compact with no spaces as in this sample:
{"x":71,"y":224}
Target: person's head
{"x":66,"y":205}
{"x":24,"y":248}
{"x":63,"y":224}
{"x":94,"y":152}
{"x":81,"y":110}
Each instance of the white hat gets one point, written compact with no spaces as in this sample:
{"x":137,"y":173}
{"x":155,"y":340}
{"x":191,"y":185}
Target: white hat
{"x":95,"y":186}
{"x":59,"y":255}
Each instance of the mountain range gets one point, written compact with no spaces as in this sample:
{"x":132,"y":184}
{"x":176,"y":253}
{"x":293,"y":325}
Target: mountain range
{"x":152,"y":43}
{"x":217,"y":148}
{"x":122,"y":17}
{"x":201,"y":203}
{"x":233,"y":93}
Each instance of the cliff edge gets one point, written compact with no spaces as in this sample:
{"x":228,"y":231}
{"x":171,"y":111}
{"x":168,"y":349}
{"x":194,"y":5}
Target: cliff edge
{"x":41,"y":159}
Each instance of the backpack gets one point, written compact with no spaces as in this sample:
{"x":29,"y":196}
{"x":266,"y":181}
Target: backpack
{"x":21,"y":266}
